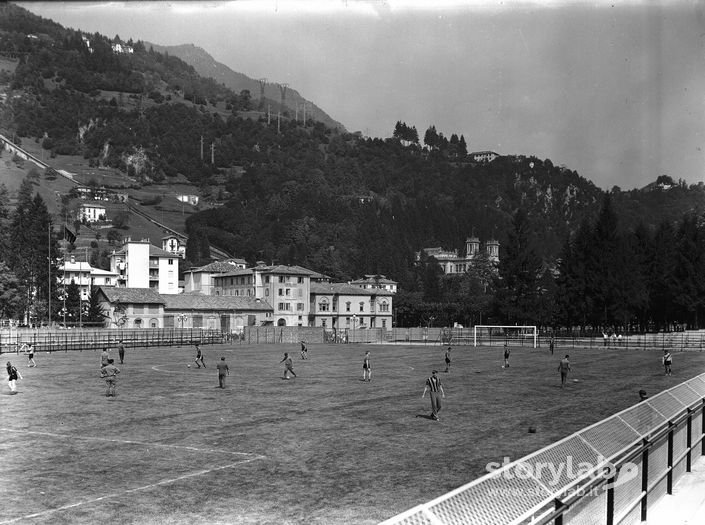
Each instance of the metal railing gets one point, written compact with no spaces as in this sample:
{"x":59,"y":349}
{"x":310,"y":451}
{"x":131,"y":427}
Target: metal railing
{"x":626,"y":463}
{"x":44,"y":340}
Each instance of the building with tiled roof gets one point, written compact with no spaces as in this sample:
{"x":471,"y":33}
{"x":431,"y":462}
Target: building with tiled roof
{"x":84,"y":276}
{"x":200,"y":280}
{"x":286,"y":288}
{"x":341,"y":306}
{"x":145,"y":308}
{"x":174,"y":244}
{"x":379,"y":282}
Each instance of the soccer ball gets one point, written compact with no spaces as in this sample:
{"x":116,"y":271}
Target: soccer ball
{"x":188,"y":366}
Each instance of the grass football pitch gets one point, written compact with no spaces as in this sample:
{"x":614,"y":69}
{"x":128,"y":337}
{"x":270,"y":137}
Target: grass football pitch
{"x":323,"y":448}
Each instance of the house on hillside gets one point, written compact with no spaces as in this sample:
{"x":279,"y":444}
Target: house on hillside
{"x":175,"y":245}
{"x":91,"y":213}
{"x":452,"y":263}
{"x":483,"y":156}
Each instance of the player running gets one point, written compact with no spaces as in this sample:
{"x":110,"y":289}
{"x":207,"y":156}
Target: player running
{"x":288,"y":366}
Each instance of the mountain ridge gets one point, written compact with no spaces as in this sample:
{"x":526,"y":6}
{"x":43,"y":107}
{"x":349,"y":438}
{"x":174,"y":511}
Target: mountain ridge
{"x":207,"y":66}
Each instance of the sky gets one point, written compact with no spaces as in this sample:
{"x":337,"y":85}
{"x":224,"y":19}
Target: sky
{"x":614,"y":92}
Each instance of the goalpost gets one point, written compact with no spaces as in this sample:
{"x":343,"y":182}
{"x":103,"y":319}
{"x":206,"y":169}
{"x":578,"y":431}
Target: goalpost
{"x":485,"y":334}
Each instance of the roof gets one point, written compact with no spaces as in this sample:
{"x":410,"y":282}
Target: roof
{"x":345,"y":289}
{"x":277,"y":269}
{"x":99,"y":271}
{"x":213,"y":302}
{"x":76,"y":266}
{"x":219,"y":266}
{"x":131,"y":295}
{"x":158,"y":252}
{"x":374,"y":279}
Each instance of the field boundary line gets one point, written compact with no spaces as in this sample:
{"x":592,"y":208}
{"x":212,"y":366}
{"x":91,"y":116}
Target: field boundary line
{"x":128,"y":491}
{"x":132,"y":442}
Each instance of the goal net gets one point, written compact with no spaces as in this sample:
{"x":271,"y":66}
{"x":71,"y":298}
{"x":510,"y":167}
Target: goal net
{"x":493,"y":335}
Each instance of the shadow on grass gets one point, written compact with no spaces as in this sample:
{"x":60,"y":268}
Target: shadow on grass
{"x":424,"y":416}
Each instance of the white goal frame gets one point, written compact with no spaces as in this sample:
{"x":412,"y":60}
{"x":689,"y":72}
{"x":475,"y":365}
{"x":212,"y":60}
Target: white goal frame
{"x":523,"y":330}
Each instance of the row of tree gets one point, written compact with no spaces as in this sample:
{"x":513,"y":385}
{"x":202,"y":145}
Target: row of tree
{"x":607,"y":277}
{"x":31,"y":288}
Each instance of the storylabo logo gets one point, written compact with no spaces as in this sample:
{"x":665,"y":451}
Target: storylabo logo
{"x":554,"y":474}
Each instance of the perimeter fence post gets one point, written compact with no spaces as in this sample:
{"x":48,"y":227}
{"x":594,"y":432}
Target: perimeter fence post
{"x":688,"y":440}
{"x":610,"y":500}
{"x":702,"y":430}
{"x":558,"y":505}
{"x":669,"y":476}
{"x":644,"y":479}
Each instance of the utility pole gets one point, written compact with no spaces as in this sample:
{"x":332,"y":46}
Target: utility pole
{"x":262,"y":84}
{"x":279,"y":121}
{"x":49,"y":259}
{"x":282,"y":89}
{"x":212,"y":152}
{"x":201,"y":147}
{"x":269,"y":114}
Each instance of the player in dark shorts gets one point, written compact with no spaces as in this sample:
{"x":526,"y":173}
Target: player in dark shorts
{"x":30,"y":357}
{"x":199,"y":357}
{"x":448,"y":359}
{"x":564,"y":368}
{"x":667,"y":361}
{"x":304,"y":350}
{"x":507,"y":353}
{"x":366,"y":368}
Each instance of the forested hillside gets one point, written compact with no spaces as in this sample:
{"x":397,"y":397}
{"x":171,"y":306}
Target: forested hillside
{"x":347,"y":205}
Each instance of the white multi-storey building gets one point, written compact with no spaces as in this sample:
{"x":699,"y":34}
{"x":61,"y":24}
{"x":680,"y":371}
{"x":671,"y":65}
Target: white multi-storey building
{"x":141,"y":265}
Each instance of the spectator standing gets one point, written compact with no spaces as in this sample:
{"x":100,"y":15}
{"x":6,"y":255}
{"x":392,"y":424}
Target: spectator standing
{"x":223,"y":370}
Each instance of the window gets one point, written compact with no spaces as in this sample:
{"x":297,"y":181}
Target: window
{"x":266,"y":292}
{"x":266,"y":279}
{"x":288,"y":292}
{"x":282,"y":279}
{"x":281,"y":292}
{"x":347,"y":306}
{"x":323,"y":305}
{"x":300,"y":280}
{"x":384,"y":306}
{"x":323,"y":322}
{"x":362,"y":307}
{"x":384,"y":323}
{"x":299,"y":307}
{"x":284,"y":307}
{"x":171,"y":261}
{"x":347,"y":321}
